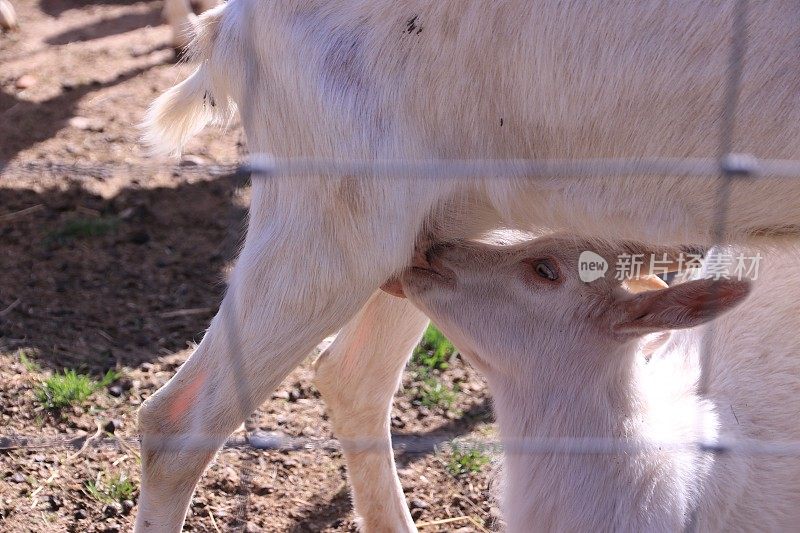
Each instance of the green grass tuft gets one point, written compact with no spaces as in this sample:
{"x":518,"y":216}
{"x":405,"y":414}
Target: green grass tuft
{"x":430,"y":358}
{"x":31,"y":366}
{"x":118,"y":487}
{"x":433,"y":393}
{"x":70,"y":388}
{"x":434,"y":350}
{"x":81,"y":228}
{"x":466,"y":460}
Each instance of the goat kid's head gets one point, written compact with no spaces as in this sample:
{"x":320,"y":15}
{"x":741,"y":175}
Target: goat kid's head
{"x":498,"y":302}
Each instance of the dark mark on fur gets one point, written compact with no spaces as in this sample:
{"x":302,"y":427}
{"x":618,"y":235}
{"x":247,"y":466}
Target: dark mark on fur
{"x":411,"y":25}
{"x":208,"y":97}
{"x":734,"y":415}
{"x":501,"y":122}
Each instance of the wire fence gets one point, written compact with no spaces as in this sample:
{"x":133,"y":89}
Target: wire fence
{"x":728,"y":165}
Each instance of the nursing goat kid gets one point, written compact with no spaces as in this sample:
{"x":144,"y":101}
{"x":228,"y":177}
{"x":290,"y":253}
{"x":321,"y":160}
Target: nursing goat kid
{"x":563,"y":359}
{"x":378,"y":79}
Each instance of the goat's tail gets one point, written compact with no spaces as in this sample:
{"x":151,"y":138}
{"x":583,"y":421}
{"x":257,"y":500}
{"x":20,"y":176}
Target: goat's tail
{"x":203,"y":97}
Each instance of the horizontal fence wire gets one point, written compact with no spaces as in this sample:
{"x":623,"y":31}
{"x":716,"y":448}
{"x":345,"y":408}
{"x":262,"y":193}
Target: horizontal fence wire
{"x":262,"y":165}
{"x":267,"y":441}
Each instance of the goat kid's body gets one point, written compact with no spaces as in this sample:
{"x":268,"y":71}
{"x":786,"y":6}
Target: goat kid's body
{"x":611,"y":394}
{"x":450,"y":79}
{"x":565,"y":359}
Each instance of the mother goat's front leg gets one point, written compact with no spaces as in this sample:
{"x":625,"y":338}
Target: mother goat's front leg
{"x":357,"y":377}
{"x":296,"y":282}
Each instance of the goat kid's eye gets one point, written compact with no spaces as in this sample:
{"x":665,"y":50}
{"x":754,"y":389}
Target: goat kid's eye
{"x":544,"y":269}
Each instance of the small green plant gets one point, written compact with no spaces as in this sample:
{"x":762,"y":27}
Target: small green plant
{"x":31,"y":366}
{"x":70,"y":388}
{"x":118,"y":487}
{"x":433,"y":393}
{"x":79,"y":228}
{"x":464,"y":460}
{"x":434,"y":350}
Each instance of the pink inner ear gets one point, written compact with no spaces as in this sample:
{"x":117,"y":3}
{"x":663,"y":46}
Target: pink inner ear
{"x":394,"y":287}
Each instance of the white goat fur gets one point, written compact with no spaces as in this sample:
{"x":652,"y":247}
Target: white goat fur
{"x":556,"y":368}
{"x":376,"y":79}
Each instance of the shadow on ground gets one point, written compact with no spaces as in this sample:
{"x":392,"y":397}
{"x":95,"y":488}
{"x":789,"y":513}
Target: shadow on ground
{"x":24,"y":123}
{"x":101,"y":282}
{"x":328,"y":512}
{"x":107,"y":27}
{"x":56,"y":7}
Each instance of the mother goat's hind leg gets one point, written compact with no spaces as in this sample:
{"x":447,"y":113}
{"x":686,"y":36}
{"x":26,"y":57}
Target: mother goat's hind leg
{"x":357,"y":377}
{"x":294,"y":284}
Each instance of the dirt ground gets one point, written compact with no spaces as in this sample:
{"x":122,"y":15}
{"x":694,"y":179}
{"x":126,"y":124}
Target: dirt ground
{"x":124,"y":271}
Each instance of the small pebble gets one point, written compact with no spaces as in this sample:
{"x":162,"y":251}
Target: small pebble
{"x":252,"y":528}
{"x":127,"y":506}
{"x":79,"y":514}
{"x":25,"y":81}
{"x":266,"y":440}
{"x":190,"y":160}
{"x":83,"y":123}
{"x":295,"y":395}
{"x":281,"y":395}
{"x":416,"y":503}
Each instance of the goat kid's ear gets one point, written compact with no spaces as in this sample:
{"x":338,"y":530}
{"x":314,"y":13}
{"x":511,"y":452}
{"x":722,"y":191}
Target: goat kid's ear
{"x":394,"y":287}
{"x":682,"y":306}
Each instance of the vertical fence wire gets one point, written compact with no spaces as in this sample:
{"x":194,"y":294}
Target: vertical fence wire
{"x":728,"y":173}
